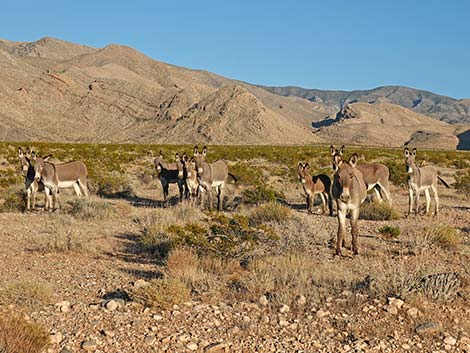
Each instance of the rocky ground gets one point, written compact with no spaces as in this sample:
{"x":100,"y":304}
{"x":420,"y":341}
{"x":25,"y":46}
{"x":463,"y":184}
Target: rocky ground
{"x":91,"y":309}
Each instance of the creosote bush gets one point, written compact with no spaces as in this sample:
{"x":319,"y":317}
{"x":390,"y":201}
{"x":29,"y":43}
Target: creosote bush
{"x":14,"y":199}
{"x":270,"y":212}
{"x":462,"y":182}
{"x":390,"y":231}
{"x":111,"y":184}
{"x":378,"y":211}
{"x":161,"y":293}
{"x":89,"y":209}
{"x":438,"y":234}
{"x":261,"y":194}
{"x":20,"y":336}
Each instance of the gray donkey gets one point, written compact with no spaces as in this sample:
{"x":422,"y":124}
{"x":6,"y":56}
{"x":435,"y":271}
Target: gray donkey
{"x":421,"y":179}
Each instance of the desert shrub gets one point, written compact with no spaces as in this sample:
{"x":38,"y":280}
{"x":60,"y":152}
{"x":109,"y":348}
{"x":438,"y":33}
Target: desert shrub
{"x":20,"y":336}
{"x":246,"y":173}
{"x":161,"y":293}
{"x":441,"y":286}
{"x":227,"y":237}
{"x":30,"y":293}
{"x":14,"y":199}
{"x":261,"y":194}
{"x":397,"y":169}
{"x":89,"y":209}
{"x":282,"y":278}
{"x":462,"y":182}
{"x":152,"y":239}
{"x":110,"y":184}
{"x":270,"y":212}
{"x":378,"y":211}
{"x":390,"y":231}
{"x":438,"y":234}
{"x":461,"y":163}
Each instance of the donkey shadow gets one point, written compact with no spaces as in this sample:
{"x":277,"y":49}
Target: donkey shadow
{"x":143,"y":202}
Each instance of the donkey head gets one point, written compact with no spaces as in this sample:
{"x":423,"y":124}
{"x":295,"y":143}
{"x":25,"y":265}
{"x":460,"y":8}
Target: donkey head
{"x":200,"y":158}
{"x":337,"y":155}
{"x":25,"y":159}
{"x":158,"y":162}
{"x":180,"y":164}
{"x":343,"y":178}
{"x":39,"y":163}
{"x":190,"y":166}
{"x":303,"y":171}
{"x":410,"y":159}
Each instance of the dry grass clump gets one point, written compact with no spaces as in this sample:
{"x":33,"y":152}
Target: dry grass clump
{"x":390,"y":231}
{"x":283,"y":278}
{"x":207,"y":276}
{"x":162,"y":293}
{"x":270,"y":212}
{"x":441,"y":286}
{"x":29,"y":293}
{"x":19,"y":336}
{"x":378,"y":211}
{"x":89,"y":209}
{"x":439,"y":234}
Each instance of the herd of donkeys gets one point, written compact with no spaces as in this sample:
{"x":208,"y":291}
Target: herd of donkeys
{"x":195,"y":178}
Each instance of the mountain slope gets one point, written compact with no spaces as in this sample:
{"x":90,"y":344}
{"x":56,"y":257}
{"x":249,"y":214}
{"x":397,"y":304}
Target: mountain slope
{"x":444,"y":108}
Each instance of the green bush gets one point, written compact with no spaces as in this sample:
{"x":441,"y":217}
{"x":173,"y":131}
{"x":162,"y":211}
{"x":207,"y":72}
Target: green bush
{"x":397,"y":169}
{"x":462,"y":182}
{"x":378,"y":211}
{"x":390,"y":231}
{"x":270,"y":212}
{"x":89,"y":209}
{"x":261,"y":194}
{"x":14,"y":199}
{"x":112,"y":184}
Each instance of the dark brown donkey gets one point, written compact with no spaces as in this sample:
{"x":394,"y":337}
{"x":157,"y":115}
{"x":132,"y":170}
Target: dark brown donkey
{"x":349,"y":191}
{"x":169,"y":174}
{"x":313,"y":185}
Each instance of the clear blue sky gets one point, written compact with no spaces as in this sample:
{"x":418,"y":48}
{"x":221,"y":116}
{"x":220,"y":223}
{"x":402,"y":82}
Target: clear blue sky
{"x":313,"y":44}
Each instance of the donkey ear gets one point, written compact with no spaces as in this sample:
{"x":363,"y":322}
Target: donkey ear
{"x":196,"y":150}
{"x":161,"y":153}
{"x":407,"y":152}
{"x":341,"y":150}
{"x":47,"y":157}
{"x":177,"y":157}
{"x":33,"y":155}
{"x":332,"y":150}
{"x":300,"y":165}
{"x":414,"y":152}
{"x":28,"y":152}
{"x":307,"y":166}
{"x":353,"y":159}
{"x":204,"y":151}
{"x":20,"y":152}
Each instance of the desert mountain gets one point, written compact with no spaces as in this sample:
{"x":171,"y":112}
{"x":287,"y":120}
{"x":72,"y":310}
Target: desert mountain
{"x":451,"y":110}
{"x":385,"y":124}
{"x":51,"y":90}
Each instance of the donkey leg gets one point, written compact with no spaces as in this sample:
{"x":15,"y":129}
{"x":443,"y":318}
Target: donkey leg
{"x":323,"y":201}
{"x":341,"y":230}
{"x":410,"y":201}
{"x":377,"y":193}
{"x":354,"y":230}
{"x":209,"y":197}
{"x":428,"y":200}
{"x":220,"y":200}
{"x":436,"y":199}
{"x":330,"y":204}
{"x":417,"y":203}
{"x":181,"y":190}
{"x":76,"y":187}
{"x":28,"y":199}
{"x":83,"y":185}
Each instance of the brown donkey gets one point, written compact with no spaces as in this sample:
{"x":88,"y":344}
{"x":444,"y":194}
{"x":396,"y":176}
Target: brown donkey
{"x":349,"y":191}
{"x":192,"y":184}
{"x":313,"y":185}
{"x":57,"y":176}
{"x":421,"y":178}
{"x":32,"y":186}
{"x":376,"y":175}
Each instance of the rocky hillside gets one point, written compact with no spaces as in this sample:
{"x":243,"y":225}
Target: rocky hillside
{"x":451,"y":110}
{"x":385,"y":124}
{"x":51,"y":90}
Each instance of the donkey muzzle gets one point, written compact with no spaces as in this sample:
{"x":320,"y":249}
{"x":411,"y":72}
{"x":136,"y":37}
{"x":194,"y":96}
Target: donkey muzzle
{"x":199,"y":171}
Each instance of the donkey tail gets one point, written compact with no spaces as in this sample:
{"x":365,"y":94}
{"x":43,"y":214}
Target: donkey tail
{"x":235,"y":179}
{"x":443,"y":182}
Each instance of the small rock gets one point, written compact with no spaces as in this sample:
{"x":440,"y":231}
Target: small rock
{"x":246,"y":318}
{"x":405,"y":346}
{"x":140,"y":283}
{"x":392,"y":309}
{"x":284,"y":309}
{"x":412,"y":312}
{"x":283,"y":322}
{"x":56,"y":337}
{"x":157,"y":317}
{"x":215,"y":348}
{"x":321,"y":313}
{"x":64,"y":306}
{"x":109,"y":333}
{"x":89,"y":345}
{"x":263,"y":301}
{"x":192,"y":346}
{"x":149,"y":340}
{"x":184,"y":338}
{"x":235,"y":330}
{"x":398,"y":303}
{"x":450,"y":341}
{"x":111,"y":305}
{"x":427,"y":328}
{"x":301,"y":300}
